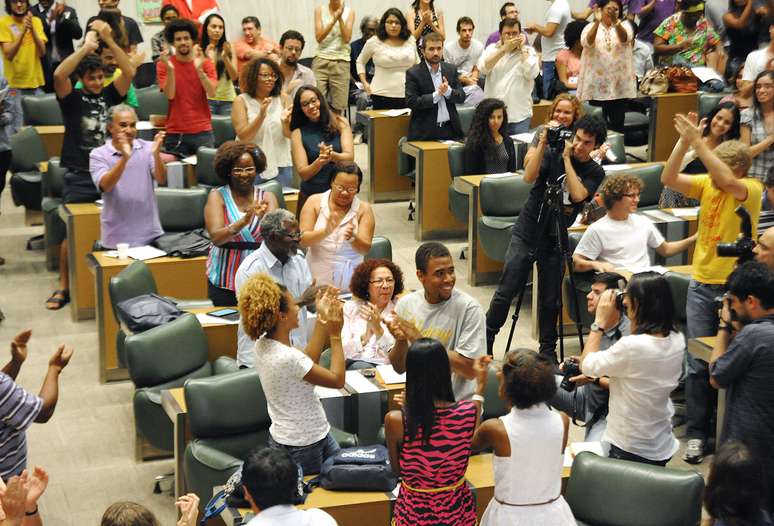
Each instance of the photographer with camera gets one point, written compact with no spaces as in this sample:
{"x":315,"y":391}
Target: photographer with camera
{"x":557,"y":161}
{"x":742,"y":362}
{"x":643,"y":369}
{"x":719,"y":193}
{"x":580,"y":396}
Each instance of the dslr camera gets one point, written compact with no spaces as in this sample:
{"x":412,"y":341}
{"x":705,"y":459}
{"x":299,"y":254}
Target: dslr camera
{"x":556,"y":135}
{"x":742,"y":248}
{"x":571,"y":369}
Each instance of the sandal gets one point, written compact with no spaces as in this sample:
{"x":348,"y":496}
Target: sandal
{"x":58,"y":299}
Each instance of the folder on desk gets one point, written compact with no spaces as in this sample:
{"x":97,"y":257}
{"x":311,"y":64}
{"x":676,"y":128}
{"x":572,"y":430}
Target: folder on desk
{"x":389,"y":376}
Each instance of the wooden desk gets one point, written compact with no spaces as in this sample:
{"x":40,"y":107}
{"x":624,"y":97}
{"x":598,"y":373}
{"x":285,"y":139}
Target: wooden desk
{"x":662,"y":136}
{"x":482,"y":270}
{"x":384,"y":132}
{"x":83,"y":229}
{"x":173,"y":402}
{"x":540,"y":113}
{"x":701,"y":348}
{"x":52,"y":136}
{"x":433,"y":219}
{"x":176,"y":277}
{"x":221,"y":337}
{"x":392,"y":390}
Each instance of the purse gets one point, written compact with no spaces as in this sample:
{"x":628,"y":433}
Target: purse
{"x":682,"y":80}
{"x":654,"y":82}
{"x":146,"y":312}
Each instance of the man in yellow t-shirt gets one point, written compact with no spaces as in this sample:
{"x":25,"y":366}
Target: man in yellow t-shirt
{"x":719,"y":193}
{"x":24,"y":44}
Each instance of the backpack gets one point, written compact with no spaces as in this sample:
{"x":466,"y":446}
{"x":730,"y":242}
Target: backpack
{"x":361,"y":468}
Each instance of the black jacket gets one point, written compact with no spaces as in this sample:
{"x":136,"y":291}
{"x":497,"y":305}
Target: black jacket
{"x":419,"y":97}
{"x":67,"y":30}
{"x":475,"y":163}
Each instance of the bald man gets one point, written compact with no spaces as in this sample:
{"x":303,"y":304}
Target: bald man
{"x":764,"y":250}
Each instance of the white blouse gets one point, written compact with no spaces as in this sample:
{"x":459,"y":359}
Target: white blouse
{"x":269,"y":137}
{"x":391,"y":63}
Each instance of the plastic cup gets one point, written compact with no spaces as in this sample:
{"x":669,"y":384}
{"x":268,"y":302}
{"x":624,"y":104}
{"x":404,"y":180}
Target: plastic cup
{"x":123,"y":250}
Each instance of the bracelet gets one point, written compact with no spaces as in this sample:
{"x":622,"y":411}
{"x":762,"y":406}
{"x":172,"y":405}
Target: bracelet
{"x":335,"y":338}
{"x":231,"y":230}
{"x":33,"y":512}
{"x":477,"y":398}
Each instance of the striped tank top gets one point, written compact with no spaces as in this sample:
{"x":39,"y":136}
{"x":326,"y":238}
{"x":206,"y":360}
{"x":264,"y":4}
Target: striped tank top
{"x":222,"y":263}
{"x":439,"y":464}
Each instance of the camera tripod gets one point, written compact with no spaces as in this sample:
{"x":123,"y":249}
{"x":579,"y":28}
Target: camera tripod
{"x":551,"y":214}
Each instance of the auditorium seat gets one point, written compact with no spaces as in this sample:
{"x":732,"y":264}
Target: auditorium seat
{"x":612,"y":492}
{"x":678,"y":284}
{"x":55,"y":230}
{"x":164,"y":358}
{"x":651,"y":177}
{"x":222,"y":129}
{"x":381,"y":248}
{"x":181,"y":209}
{"x":227,"y":417}
{"x":501,"y":201}
{"x":205,"y":168}
{"x":466,"y":117}
{"x":458,"y":201}
{"x":708,"y":101}
{"x":617,"y":147}
{"x":593,"y":111}
{"x":26,"y":181}
{"x":41,"y":110}
{"x":582,"y":287}
{"x":151,"y":101}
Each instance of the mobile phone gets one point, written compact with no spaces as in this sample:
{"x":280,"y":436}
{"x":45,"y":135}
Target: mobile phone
{"x":227,"y":314}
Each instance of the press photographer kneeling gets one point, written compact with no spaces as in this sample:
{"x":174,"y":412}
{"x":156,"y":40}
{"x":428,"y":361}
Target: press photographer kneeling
{"x":642,"y":369}
{"x":580,"y":396}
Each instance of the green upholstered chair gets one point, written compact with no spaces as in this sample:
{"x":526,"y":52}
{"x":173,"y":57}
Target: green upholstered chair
{"x":205,"y":167}
{"x":678,"y":284}
{"x":407,"y":168}
{"x":466,"y":117}
{"x":708,"y":101}
{"x":501,"y":201}
{"x":612,"y":492}
{"x":616,"y":142}
{"x":26,"y":181}
{"x":381,"y":248}
{"x":458,"y":202}
{"x":636,"y":126}
{"x":594,"y":111}
{"x":181,"y":209}
{"x":145,"y":76}
{"x":222,"y":129}
{"x":54,"y":229}
{"x":494,"y":406}
{"x":651,"y":177}
{"x":275,"y":188}
{"x":151,"y":101}
{"x":228,"y":418}
{"x":41,"y":110}
{"x":582,"y":287}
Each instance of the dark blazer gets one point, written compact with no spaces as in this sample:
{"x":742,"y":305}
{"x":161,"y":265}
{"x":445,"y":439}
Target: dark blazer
{"x":475,"y":163}
{"x":419,"y":97}
{"x":67,"y":30}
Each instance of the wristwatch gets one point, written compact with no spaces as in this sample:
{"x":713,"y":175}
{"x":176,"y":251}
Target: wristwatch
{"x":596,"y":328}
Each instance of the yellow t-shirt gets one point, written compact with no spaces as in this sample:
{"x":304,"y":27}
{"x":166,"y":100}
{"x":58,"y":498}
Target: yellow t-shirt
{"x":26,"y":70}
{"x":719,"y":224}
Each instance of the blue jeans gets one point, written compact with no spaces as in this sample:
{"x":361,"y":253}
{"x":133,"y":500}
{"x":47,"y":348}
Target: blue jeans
{"x":519,"y":127}
{"x":702,"y":320}
{"x":310,"y":457}
{"x":576,"y":405}
{"x":14,"y":98}
{"x":185,"y":144}
{"x":549,"y":76}
{"x":220,"y":107}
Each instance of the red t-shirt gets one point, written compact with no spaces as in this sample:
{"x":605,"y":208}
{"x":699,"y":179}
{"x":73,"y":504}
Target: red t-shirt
{"x":188,"y":111}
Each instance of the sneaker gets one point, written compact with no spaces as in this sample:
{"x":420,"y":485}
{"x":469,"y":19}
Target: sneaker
{"x":694,"y":452}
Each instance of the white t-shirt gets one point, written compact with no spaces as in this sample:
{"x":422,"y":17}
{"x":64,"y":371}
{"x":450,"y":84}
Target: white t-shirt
{"x":287,"y":515}
{"x":297,"y":416}
{"x":558,"y":13}
{"x":755,"y":63}
{"x":458,"y":323}
{"x":643,"y":371}
{"x":511,"y":79}
{"x":463,"y":59}
{"x":624,"y":244}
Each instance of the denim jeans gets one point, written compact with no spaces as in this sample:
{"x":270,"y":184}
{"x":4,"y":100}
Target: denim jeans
{"x":577,"y":406}
{"x":185,"y":144}
{"x":518,"y":264}
{"x":617,"y":452}
{"x":220,"y":107}
{"x":284,"y":177}
{"x":519,"y":127}
{"x":702,"y":320}
{"x":14,"y":98}
{"x":310,"y":457}
{"x":549,"y":76}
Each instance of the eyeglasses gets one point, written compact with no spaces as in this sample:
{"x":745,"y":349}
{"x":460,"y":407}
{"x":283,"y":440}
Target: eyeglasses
{"x":243,"y":171}
{"x":268,"y":77}
{"x":344,"y":189}
{"x":382,"y":281}
{"x":295,"y":236}
{"x":310,"y":102}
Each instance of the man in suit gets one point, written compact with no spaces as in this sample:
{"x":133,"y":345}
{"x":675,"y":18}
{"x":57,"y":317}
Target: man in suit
{"x":432,"y":91}
{"x":60,"y":22}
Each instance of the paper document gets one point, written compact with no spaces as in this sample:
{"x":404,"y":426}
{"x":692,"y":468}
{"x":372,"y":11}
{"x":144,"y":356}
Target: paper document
{"x":576,"y":448}
{"x":654,"y":268}
{"x":705,"y":74}
{"x":145,"y":252}
{"x":287,"y":190}
{"x":616,"y":167}
{"x":397,"y":113}
{"x":144,"y":126}
{"x":206,"y":319}
{"x":499,"y":176}
{"x":526,"y":137}
{"x":661,"y":216}
{"x":359,"y":383}
{"x":688,"y":213}
{"x":191,"y":159}
{"x":389,"y":376}
{"x":449,"y":141}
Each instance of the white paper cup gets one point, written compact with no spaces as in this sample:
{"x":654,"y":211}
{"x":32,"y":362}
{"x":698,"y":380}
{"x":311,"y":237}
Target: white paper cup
{"x":123,"y":250}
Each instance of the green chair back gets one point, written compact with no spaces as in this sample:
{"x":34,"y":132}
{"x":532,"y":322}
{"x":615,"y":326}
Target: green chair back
{"x":651,"y":177}
{"x":381,"y":248}
{"x":456,"y":155}
{"x":494,"y":406}
{"x":466,"y":117}
{"x":594,"y":111}
{"x":678,"y":284}
{"x":53,"y":178}
{"x":708,"y":101}
{"x":41,"y":110}
{"x":406,"y":163}
{"x":205,"y":167}
{"x":222,"y":129}
{"x":151,"y":101}
{"x":617,"y":147}
{"x":227,"y":404}
{"x":503,"y":196}
{"x":274,"y":187}
{"x":28,"y":150}
{"x":181,"y":209}
{"x":616,"y":492}
{"x":135,"y":280}
{"x":166,"y":352}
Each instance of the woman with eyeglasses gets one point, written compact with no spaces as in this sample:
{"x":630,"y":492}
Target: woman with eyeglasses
{"x":232,"y":216}
{"x":337,"y":228}
{"x":318,"y":140}
{"x":375,"y":285}
{"x":758,"y":126}
{"x":261,"y":114}
{"x":218,"y":50}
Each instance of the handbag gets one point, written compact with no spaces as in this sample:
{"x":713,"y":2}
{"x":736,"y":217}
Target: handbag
{"x":185,"y":245}
{"x":146,"y":312}
{"x":654,"y":82}
{"x":361,"y":468}
{"x":682,"y":80}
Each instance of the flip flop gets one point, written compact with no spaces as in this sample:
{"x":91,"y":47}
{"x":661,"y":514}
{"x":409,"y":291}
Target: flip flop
{"x":58,"y":299}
